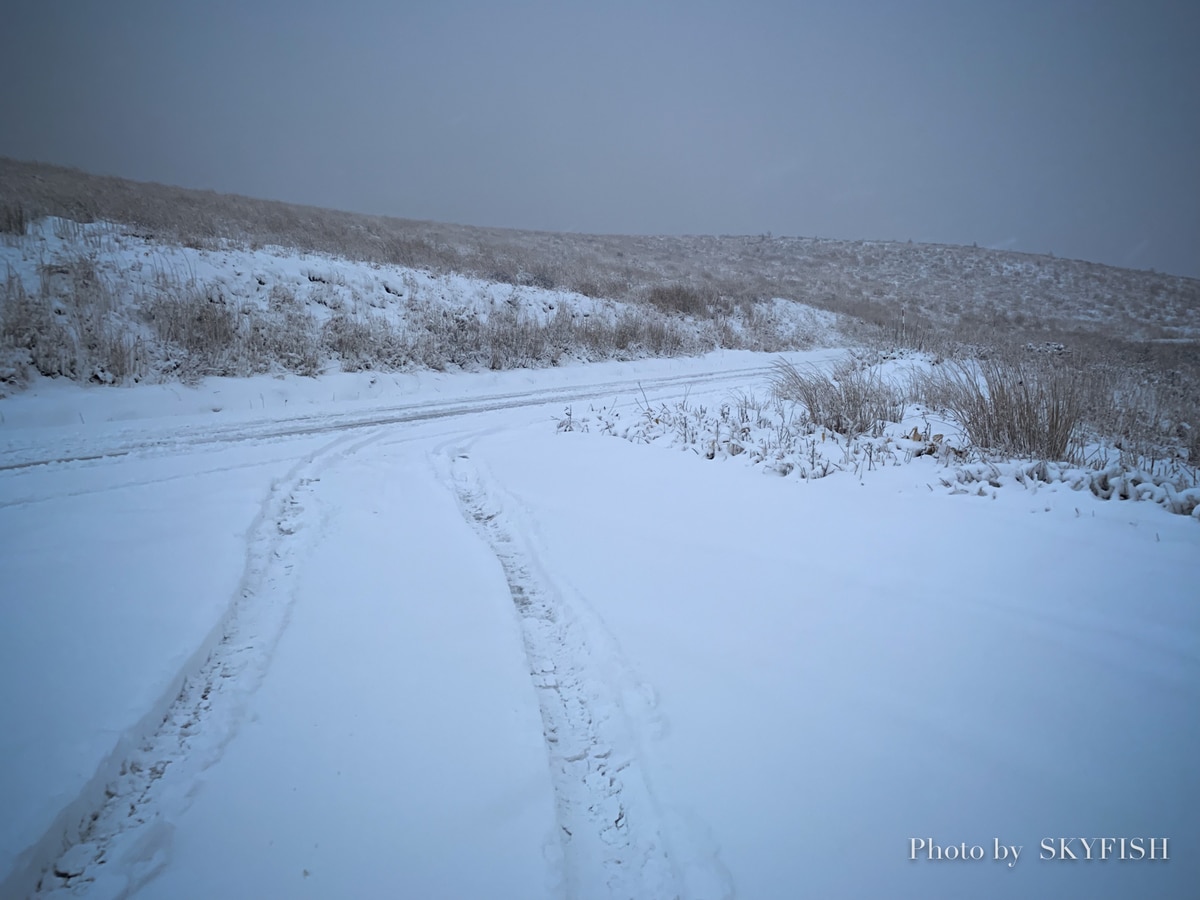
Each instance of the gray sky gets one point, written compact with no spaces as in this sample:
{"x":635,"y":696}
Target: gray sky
{"x":1064,"y":127}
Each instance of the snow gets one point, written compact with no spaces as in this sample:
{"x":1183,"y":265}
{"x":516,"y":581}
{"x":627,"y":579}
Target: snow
{"x":843,"y":668}
{"x":135,"y":265}
{"x":115,"y":576}
{"x":396,"y":726}
{"x":102,"y":279}
{"x":397,"y":636}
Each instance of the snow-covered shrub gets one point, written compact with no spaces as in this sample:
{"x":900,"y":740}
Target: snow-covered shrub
{"x":68,"y":328}
{"x":116,"y":356}
{"x":29,"y":326}
{"x":1113,"y":482}
{"x":206,"y":333}
{"x":14,"y":219}
{"x":852,"y":400}
{"x":778,"y":437}
{"x":1022,"y":409}
{"x":1148,"y":414}
{"x":542,"y":276}
{"x":766,"y":433}
{"x":280,"y":298}
{"x":514,"y":339}
{"x":361,"y":342}
{"x":291,"y":341}
{"x":202,"y":323}
{"x":678,"y":298}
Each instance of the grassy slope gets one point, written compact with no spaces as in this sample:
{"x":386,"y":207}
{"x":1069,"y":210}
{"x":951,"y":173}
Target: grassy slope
{"x":1130,"y":336}
{"x":955,"y":289}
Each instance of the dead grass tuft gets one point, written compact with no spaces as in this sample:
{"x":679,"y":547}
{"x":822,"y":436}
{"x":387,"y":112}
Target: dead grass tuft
{"x":851,"y":400}
{"x":1022,"y":409}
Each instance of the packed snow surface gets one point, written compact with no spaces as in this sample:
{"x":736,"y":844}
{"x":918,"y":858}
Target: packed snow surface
{"x":401,"y":636}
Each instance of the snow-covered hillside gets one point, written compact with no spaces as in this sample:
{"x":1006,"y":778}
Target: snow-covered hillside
{"x":107,"y":304}
{"x":952,"y":292}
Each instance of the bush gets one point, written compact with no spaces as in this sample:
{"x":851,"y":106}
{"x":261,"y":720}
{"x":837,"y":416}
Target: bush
{"x":29,"y":326}
{"x":678,"y":298}
{"x":514,"y":340}
{"x":850,"y":401}
{"x":14,"y":219}
{"x":291,"y":342}
{"x":1032,"y":410}
{"x":363,"y":342}
{"x":203,"y":326}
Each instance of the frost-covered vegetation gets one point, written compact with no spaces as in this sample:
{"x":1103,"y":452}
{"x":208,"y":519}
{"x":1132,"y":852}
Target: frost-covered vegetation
{"x":102,"y":304}
{"x":980,"y":426}
{"x":113,"y":282}
{"x":919,"y":291}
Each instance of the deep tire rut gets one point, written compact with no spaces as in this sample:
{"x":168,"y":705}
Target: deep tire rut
{"x":119,"y":835}
{"x":610,"y":830}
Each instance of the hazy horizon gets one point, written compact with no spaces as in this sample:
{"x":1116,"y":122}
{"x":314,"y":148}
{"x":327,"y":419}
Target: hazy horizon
{"x":1069,"y":128}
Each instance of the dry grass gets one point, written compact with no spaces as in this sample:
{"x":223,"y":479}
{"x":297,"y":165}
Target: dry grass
{"x":909,"y":293}
{"x":850,"y":401}
{"x":69,"y":328}
{"x":14,"y":219}
{"x":1025,"y":410}
{"x":679,"y":298}
{"x":74,"y":326}
{"x":1139,"y":391}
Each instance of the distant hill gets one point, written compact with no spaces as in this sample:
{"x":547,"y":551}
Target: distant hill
{"x":966,"y":292}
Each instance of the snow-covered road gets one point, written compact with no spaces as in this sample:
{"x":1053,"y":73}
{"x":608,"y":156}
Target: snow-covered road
{"x":421,"y":645}
{"x":150,"y":551}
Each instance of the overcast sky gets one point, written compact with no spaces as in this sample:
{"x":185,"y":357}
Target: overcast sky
{"x":1047,"y":126}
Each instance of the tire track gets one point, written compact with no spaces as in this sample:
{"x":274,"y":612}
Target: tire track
{"x":611,"y":832}
{"x":116,"y":835}
{"x":16,"y":458}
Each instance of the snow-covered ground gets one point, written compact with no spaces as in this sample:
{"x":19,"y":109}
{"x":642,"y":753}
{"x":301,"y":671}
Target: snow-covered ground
{"x":136,"y":266}
{"x":106,"y":303}
{"x":400,"y":636}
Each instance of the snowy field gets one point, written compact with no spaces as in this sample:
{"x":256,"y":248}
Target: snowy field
{"x":400,"y":636}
